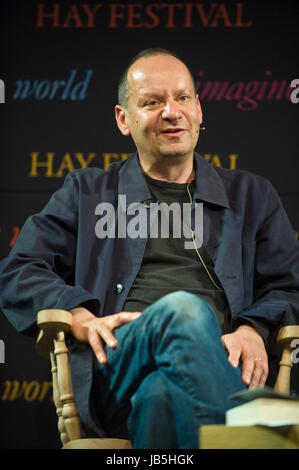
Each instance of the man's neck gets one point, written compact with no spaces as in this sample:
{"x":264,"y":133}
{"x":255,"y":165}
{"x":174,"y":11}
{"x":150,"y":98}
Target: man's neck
{"x":171,"y":171}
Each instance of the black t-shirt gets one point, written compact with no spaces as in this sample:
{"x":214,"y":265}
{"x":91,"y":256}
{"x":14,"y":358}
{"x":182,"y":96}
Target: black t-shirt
{"x":167,"y":266}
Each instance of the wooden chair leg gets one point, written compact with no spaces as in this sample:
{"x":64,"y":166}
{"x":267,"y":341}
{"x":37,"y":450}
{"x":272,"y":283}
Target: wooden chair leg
{"x":69,"y":413}
{"x":282,"y":384}
{"x":58,"y":405}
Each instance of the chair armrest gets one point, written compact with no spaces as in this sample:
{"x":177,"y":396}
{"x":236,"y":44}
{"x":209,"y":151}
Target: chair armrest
{"x":285,"y":336}
{"x":283,"y":349}
{"x":51,"y":322}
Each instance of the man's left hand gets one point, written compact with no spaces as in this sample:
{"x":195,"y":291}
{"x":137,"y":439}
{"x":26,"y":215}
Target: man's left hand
{"x":247,"y":344}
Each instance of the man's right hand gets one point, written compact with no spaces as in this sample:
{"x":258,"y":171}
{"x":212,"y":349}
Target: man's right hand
{"x":88,"y":328}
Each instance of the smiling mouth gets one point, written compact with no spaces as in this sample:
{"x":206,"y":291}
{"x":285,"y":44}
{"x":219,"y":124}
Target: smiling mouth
{"x":173,"y":132}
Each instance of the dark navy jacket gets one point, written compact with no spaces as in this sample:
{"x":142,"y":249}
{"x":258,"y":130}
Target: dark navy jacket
{"x":59,"y":262}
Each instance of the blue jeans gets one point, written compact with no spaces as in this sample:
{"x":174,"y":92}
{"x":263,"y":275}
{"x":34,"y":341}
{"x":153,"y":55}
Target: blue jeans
{"x":168,"y":375}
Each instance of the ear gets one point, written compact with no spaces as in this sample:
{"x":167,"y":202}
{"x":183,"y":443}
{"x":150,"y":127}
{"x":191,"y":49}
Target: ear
{"x":121,"y":119}
{"x":199,"y":109}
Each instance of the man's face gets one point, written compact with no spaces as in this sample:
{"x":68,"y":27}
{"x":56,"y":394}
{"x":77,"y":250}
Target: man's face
{"x":163,"y":113}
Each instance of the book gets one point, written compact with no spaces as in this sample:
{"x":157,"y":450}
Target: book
{"x":265,"y":412}
{"x":259,"y":392}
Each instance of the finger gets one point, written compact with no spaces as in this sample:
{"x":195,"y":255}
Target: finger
{"x":97,"y":346}
{"x":257,"y":374}
{"x":233,"y":350}
{"x":265,"y":375}
{"x":122,"y":318}
{"x":234,"y":357}
{"x":265,"y":371}
{"x":106,"y":334}
{"x":115,"y":321}
{"x":247,"y":369}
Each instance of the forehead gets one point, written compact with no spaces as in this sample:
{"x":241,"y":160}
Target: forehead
{"x":163,"y":73}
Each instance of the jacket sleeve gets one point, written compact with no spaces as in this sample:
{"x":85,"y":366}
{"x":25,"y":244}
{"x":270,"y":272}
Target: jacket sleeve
{"x":39,"y":271}
{"x":276,"y":268}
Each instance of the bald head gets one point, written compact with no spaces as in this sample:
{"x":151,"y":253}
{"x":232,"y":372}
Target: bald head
{"x":124,"y":85}
{"x":162,"y":112}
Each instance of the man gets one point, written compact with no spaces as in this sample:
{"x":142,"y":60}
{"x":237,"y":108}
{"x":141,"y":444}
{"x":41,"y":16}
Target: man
{"x":161,"y":335}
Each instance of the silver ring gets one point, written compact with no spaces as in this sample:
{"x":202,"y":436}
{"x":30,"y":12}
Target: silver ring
{"x":258,"y":359}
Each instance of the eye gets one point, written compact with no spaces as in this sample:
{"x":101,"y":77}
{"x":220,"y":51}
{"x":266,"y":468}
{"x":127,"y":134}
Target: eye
{"x":151,"y":103}
{"x":184,"y":98}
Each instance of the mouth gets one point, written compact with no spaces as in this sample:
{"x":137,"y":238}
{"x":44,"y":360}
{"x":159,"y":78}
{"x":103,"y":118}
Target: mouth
{"x":173,"y":132}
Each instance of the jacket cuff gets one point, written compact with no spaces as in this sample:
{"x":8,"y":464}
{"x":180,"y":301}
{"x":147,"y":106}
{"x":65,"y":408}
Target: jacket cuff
{"x":77,"y":296}
{"x":260,"y":326}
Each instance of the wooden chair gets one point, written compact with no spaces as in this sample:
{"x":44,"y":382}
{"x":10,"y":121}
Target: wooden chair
{"x":55,"y":324}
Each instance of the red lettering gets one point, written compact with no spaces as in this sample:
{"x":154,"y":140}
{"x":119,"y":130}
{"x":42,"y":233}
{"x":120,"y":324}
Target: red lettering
{"x":41,"y":14}
{"x":239,"y":17}
{"x":278,"y":88}
{"x":221,"y":14}
{"x":210,"y":15}
{"x":132,"y":15}
{"x":260,"y":95}
{"x":188,"y":16}
{"x":90,"y":13}
{"x":235,"y":91}
{"x":171,"y":8}
{"x":211,"y":90}
{"x":114,"y":14}
{"x":152,"y":15}
{"x":73,"y":14}
{"x":205,"y":19}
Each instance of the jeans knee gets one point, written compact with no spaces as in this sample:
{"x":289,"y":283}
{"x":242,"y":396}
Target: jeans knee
{"x":189,"y":307}
{"x":185,"y":311}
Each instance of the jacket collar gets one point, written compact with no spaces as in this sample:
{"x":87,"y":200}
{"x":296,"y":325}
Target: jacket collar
{"x":209,"y":185}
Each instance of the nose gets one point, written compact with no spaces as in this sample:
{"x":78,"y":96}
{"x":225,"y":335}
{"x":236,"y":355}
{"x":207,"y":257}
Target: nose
{"x":171,"y":111}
